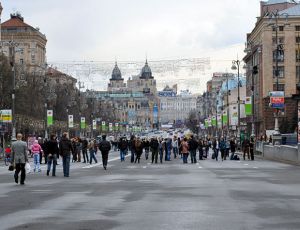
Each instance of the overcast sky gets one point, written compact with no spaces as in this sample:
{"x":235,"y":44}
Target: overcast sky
{"x":129,"y":29}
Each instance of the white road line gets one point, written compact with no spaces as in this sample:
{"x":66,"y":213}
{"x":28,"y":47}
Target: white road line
{"x":255,"y":167}
{"x":144,"y":167}
{"x":246,"y":164}
{"x":94,"y":165}
{"x":200,"y":167}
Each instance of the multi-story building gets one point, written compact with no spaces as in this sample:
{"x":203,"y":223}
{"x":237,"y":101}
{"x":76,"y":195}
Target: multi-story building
{"x":29,"y":55}
{"x":134,"y":104}
{"x":1,"y":8}
{"x":175,"y":108}
{"x":274,"y":51}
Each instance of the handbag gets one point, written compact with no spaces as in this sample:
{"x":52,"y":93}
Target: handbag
{"x":11,"y":167}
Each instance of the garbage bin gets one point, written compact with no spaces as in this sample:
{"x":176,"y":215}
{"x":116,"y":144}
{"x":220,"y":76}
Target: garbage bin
{"x":284,"y":140}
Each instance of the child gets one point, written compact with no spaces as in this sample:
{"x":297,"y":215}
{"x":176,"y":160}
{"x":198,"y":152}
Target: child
{"x":36,"y":149}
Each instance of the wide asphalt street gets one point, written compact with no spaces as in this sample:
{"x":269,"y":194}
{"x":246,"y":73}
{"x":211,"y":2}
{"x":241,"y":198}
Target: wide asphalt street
{"x":228,"y":195}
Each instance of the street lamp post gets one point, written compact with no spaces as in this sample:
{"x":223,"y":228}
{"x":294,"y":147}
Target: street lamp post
{"x":279,"y":48}
{"x":236,"y":66}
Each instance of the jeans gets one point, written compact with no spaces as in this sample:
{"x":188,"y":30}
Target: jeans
{"x":216,"y":152}
{"x":161,"y":155}
{"x":223,"y":154}
{"x":154,"y":156}
{"x":104,"y":159}
{"x":36,"y":160}
{"x":66,"y":164}
{"x":146,"y":153}
{"x":20,"y":167}
{"x":193,"y":156}
{"x":50,"y":160}
{"x":132,"y":156}
{"x":92,"y":156}
{"x":122,"y":154}
{"x":175,"y":151}
{"x":185,"y":157}
{"x":85,"y":155}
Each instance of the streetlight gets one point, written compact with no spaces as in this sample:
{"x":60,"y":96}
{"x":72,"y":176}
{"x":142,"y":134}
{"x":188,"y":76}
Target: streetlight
{"x":279,"y":49}
{"x":236,"y":66}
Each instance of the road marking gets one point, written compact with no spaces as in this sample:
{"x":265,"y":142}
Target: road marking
{"x":246,"y":164}
{"x":200,"y":167}
{"x":255,"y":167}
{"x":144,"y":167}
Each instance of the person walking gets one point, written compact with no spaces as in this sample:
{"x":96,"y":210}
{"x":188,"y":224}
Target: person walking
{"x":123,"y":148}
{"x":146,"y":145}
{"x":232,"y":148}
{"x":19,"y":157}
{"x":154,"y":145}
{"x":222,"y":145}
{"x":251,"y":148}
{"x":36,"y":149}
{"x":216,"y":148}
{"x":193,"y":145}
{"x":246,"y":148}
{"x":200,"y":148}
{"x":91,"y":147}
{"x":84,"y":150}
{"x":161,"y":150}
{"x":175,"y":146}
{"x":138,"y":150}
{"x":52,"y":149}
{"x":104,"y":147}
{"x":185,"y":150}
{"x":132,"y":148}
{"x":65,"y":150}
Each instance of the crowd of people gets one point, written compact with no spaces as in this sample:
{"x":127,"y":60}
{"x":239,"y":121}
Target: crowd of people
{"x":161,"y":149}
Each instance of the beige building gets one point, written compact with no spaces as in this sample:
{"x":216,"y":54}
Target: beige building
{"x":116,"y":83}
{"x":1,"y":8}
{"x":30,"y":52}
{"x":261,"y":54}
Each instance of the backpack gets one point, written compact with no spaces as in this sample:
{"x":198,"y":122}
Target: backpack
{"x":104,"y":146}
{"x":123,"y":144}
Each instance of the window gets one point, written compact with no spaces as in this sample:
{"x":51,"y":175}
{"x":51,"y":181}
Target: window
{"x":298,"y":39}
{"x":21,"y":61}
{"x":281,"y":28}
{"x":280,"y":56}
{"x":280,"y":87}
{"x":297,"y":28}
{"x":298,"y":73}
{"x":298,"y":55}
{"x":280,"y":73}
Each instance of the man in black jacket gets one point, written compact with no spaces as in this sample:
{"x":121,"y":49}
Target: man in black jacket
{"x":193,"y":145}
{"x":154,"y":149}
{"x":104,"y":147}
{"x":65,"y":149}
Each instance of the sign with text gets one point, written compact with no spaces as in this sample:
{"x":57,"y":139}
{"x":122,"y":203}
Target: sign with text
{"x":277,"y":102}
{"x":49,"y":117}
{"x":71,"y":121}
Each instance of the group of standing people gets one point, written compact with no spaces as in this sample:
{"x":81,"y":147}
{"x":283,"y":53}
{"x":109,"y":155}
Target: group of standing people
{"x":52,"y":150}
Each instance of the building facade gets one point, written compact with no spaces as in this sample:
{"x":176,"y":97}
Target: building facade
{"x":273,"y":60}
{"x":29,"y":54}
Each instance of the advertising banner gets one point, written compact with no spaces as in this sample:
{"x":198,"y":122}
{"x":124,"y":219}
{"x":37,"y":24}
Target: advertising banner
{"x":214,"y":121}
{"x":127,"y":128}
{"x":110,"y":125}
{"x":103,"y":126}
{"x":248,"y":106}
{"x":206,"y":123}
{"x":277,"y":99}
{"x":49,"y":117}
{"x":224,"y":118}
{"x":71,"y":121}
{"x":219,"y":119}
{"x":6,"y":116}
{"x":94,"y":125}
{"x":82,"y":122}
{"x":116,"y":126}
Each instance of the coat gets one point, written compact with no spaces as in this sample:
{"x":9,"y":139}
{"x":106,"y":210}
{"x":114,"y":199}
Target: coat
{"x":19,"y":152}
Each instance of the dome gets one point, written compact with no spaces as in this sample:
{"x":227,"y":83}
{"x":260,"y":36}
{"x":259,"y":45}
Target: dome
{"x":146,"y":71}
{"x":116,"y":73}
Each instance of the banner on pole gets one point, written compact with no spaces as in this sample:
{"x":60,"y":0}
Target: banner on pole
{"x":49,"y":117}
{"x":225,"y":118}
{"x":82,"y":122}
{"x":6,"y":116}
{"x":103,"y":126}
{"x":110,"y":127}
{"x":214,"y":121}
{"x":248,"y":106}
{"x":71,"y":121}
{"x":116,"y":126}
{"x":94,"y":125}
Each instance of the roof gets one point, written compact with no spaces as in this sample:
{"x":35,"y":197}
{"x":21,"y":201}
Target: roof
{"x":146,"y":71}
{"x":271,"y":2}
{"x":16,"y":20}
{"x":293,"y":11}
{"x":116,"y":73}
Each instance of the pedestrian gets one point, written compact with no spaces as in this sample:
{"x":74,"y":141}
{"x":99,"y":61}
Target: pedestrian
{"x":185,"y":150}
{"x":65,"y":150}
{"x":154,"y":146}
{"x":36,"y":149}
{"x":138,"y":149}
{"x":123,"y":148}
{"x":91,"y":147}
{"x":175,"y":146}
{"x":78,"y":148}
{"x":222,"y":146}
{"x":200,"y":148}
{"x":19,"y":158}
{"x":52,"y":148}
{"x":41,"y":153}
{"x":146,"y":145}
{"x":132,"y":148}
{"x":161,"y":150}
{"x":246,"y":146}
{"x":251,"y":148}
{"x":74,"y":152}
{"x":104,"y":147}
{"x":193,"y":145}
{"x":84,"y":150}
{"x":232,"y":148}
{"x":216,"y":148}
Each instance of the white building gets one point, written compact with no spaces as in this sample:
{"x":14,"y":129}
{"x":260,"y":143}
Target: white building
{"x":174,"y":107}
